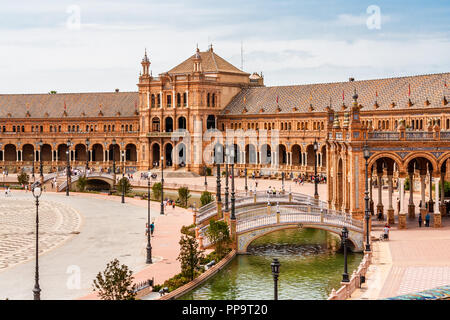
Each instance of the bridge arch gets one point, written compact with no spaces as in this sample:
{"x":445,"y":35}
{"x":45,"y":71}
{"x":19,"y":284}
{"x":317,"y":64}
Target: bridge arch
{"x":246,"y":239}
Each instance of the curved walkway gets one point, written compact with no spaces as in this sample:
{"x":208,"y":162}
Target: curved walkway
{"x":109,"y":230}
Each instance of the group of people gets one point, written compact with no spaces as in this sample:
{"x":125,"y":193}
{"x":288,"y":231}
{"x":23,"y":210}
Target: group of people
{"x":169,"y":202}
{"x":427,"y":220}
{"x":302,"y":178}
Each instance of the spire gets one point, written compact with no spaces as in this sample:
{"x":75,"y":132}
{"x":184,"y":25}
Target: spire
{"x":145,"y":64}
{"x":197,"y":61}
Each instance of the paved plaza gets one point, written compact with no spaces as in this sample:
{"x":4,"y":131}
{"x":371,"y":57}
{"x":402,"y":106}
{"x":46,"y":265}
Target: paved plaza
{"x":81,"y":233}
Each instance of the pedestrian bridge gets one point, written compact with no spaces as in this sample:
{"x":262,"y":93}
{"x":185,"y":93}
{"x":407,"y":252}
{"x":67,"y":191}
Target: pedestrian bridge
{"x":256,"y":218}
{"x":105,"y":177}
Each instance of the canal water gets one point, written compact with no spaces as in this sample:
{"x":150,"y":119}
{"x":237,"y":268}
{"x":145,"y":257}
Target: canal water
{"x":311,"y":265}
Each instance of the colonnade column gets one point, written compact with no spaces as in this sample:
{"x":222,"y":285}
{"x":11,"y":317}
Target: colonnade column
{"x":422,"y":196}
{"x":437,"y":214}
{"x":442,"y":207}
{"x":371,"y":193}
{"x":402,"y":214}
{"x":380,"y":201}
{"x":411,"y":206}
{"x":390,"y":211}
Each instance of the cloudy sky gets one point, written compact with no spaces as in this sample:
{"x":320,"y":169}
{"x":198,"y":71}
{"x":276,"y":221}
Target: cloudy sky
{"x":95,"y":45}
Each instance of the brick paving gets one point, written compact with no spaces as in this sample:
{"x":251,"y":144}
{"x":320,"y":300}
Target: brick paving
{"x":57,"y":223}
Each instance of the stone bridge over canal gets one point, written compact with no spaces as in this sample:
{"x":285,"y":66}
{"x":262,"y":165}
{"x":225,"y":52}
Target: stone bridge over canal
{"x":257,"y":215}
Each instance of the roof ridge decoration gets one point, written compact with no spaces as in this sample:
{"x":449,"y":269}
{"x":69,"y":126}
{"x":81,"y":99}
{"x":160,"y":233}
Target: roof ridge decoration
{"x":261,"y":110}
{"x":427,"y":102}
{"x":393,"y":104}
{"x":444,"y":101}
{"x":65,"y":113}
{"x":46,"y":114}
{"x":410,"y":104}
{"x":27,"y":115}
{"x":244,"y":110}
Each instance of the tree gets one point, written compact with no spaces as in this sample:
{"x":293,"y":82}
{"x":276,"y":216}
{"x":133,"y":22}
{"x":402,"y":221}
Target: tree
{"x":184,"y":195}
{"x":218,"y":233}
{"x":206,"y":198}
{"x":124,"y":183}
{"x":23,"y":178}
{"x":157,"y":189}
{"x":115,"y":283}
{"x":190,"y":255}
{"x":82,"y":183}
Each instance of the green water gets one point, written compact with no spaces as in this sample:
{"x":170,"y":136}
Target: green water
{"x":310,"y":268}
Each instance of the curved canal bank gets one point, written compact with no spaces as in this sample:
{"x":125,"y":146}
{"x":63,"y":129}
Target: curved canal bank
{"x":311,"y":267}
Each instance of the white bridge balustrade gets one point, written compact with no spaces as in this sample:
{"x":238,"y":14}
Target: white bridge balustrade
{"x":93,"y":175}
{"x":257,"y":219}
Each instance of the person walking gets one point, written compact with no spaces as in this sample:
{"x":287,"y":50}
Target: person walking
{"x":152,"y":228}
{"x":386,"y":231}
{"x":427,"y":220}
{"x":420,"y":221}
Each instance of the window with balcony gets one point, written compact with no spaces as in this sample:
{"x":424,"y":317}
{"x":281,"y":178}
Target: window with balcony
{"x":153,"y":100}
{"x":184,"y":99}
{"x":178,"y":99}
{"x":169,"y":101}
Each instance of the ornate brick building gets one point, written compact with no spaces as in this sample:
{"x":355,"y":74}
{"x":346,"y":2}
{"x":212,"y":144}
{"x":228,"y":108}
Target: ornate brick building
{"x":404,"y":121}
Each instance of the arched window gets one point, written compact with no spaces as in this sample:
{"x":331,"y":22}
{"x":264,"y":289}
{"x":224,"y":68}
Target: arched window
{"x":184,"y":99}
{"x":153,"y":100}
{"x":178,"y":99}
{"x":207,"y":100}
{"x":213,"y":100}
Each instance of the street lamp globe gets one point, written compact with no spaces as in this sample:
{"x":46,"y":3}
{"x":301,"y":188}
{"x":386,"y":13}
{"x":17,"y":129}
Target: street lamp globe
{"x":114,"y":141}
{"x":275,"y":265}
{"x":366,"y":152}
{"x":316,"y":146}
{"x":88,"y":142}
{"x":37,"y":191}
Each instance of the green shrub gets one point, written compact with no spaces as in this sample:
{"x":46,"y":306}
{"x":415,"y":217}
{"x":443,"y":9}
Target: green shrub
{"x":184,"y":195}
{"x":206,"y":198}
{"x":124,"y":184}
{"x":82,"y":183}
{"x":218,"y":233}
{"x":23,"y":178}
{"x":406,"y":184}
{"x":208,"y":171}
{"x":157,"y":189}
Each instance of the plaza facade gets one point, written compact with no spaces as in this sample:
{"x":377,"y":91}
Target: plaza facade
{"x":173,"y":119}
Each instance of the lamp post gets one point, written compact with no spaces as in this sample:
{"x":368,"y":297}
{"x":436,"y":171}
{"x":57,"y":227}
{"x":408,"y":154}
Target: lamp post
{"x":123,"y":187}
{"x":275,"y":265}
{"x":41,"y":171}
{"x":114,"y":161}
{"x":87,"y":156}
{"x":344,"y":243}
{"x":69,"y":144}
{"x":316,"y":147}
{"x":37,"y":191}
{"x":245,"y":173}
{"x":162,"y":185}
{"x":149,"y":245}
{"x":282,"y":181}
{"x":366,"y":154}
{"x":233,"y":199}
{"x":226,"y":187}
{"x":206,"y":182}
{"x":32,"y":168}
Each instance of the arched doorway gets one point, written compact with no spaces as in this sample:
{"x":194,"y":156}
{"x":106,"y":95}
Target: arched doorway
{"x":266,"y":154}
{"x":296,"y":155}
{"x":114,"y":151}
{"x":169,"y":124}
{"x":97,"y":152}
{"x":210,"y":122}
{"x":62,"y":149}
{"x":80,"y":152}
{"x":46,"y":152}
{"x":10,"y":152}
{"x":282,"y":156}
{"x":156,"y":155}
{"x":182,"y":123}
{"x":310,"y":155}
{"x":168,"y":155}
{"x":250,"y":154}
{"x":27,"y":152}
{"x":130,"y":152}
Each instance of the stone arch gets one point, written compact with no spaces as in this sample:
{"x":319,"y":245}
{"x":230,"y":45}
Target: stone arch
{"x":310,"y":159}
{"x":156,"y":154}
{"x":168,"y":124}
{"x":80,"y":152}
{"x":250,"y":154}
{"x":156,"y":124}
{"x":266,"y":154}
{"x":372,"y":160}
{"x":425,"y":155}
{"x":116,"y":153}
{"x":442,"y":160}
{"x":10,"y":152}
{"x":62,"y":149}
{"x":180,"y":154}
{"x":97,"y":152}
{"x":282,"y":154}
{"x":28,"y":152}
{"x":130,"y":152}
{"x":168,"y":154}
{"x":323,"y":150}
{"x":296,"y":154}
{"x":46,"y":152}
{"x":182,"y":123}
